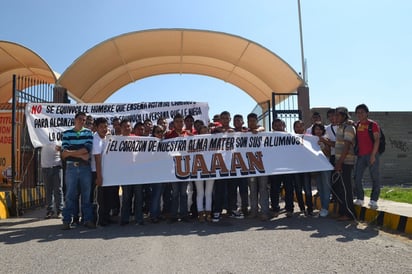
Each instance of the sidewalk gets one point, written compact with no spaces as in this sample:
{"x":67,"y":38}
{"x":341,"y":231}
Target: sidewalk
{"x":391,"y":215}
{"x":402,"y":209}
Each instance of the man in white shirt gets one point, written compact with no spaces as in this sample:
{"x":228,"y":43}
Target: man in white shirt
{"x":51,"y":165}
{"x":103,"y":193}
{"x":316,"y":118}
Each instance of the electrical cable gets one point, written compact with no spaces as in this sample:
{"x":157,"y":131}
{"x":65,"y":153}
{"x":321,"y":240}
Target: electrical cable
{"x":337,"y":178}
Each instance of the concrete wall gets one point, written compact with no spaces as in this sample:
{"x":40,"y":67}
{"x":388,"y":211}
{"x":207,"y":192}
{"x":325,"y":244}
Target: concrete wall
{"x":396,"y":162}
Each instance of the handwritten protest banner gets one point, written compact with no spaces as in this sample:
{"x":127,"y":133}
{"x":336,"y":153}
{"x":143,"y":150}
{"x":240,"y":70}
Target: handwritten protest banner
{"x":46,"y":122}
{"x":142,"y":160}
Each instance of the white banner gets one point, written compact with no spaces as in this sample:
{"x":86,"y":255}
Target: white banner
{"x":142,"y":160}
{"x":47,"y":122}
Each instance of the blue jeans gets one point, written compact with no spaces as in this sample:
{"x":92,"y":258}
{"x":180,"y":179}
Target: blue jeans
{"x":157,"y":190}
{"x":52,"y":178}
{"x":259,"y":191}
{"x":78,"y":178}
{"x":362,"y":163}
{"x":179,"y":199}
{"x":128,"y":192}
{"x":324,"y":185}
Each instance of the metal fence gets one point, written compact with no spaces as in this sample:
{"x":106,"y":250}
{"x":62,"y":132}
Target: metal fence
{"x":26,"y":188}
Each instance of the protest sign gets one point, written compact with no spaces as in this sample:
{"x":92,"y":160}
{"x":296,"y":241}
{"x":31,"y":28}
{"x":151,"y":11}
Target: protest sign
{"x":141,"y":160}
{"x":46,"y":122}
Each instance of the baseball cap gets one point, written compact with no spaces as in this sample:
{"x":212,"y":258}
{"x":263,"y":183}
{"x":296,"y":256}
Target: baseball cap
{"x":343,"y":110}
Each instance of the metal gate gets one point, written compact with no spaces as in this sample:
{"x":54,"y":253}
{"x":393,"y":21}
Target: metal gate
{"x":25,"y":176}
{"x":286,"y":108}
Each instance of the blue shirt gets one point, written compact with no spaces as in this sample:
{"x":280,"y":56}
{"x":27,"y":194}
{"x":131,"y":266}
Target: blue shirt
{"x":75,"y":140}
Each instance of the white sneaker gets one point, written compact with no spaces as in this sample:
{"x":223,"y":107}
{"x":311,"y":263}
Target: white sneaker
{"x":358,"y":202}
{"x":323,"y":212}
{"x":373,"y":204}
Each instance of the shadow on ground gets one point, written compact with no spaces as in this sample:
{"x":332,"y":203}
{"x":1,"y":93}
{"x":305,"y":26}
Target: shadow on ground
{"x":15,"y":231}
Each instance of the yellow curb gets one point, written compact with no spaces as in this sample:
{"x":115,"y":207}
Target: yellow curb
{"x":4,"y":211}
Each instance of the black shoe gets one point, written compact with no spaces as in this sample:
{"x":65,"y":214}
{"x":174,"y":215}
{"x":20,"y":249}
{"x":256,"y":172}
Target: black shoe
{"x":154,"y":220}
{"x":186,"y":219}
{"x":65,"y":226}
{"x":115,"y":212}
{"x":236,"y":214}
{"x":49,"y":215}
{"x":172,"y":220}
{"x":103,"y":223}
{"x":123,"y":223}
{"x":344,"y":218}
{"x":76,"y":221}
{"x":90,"y":224}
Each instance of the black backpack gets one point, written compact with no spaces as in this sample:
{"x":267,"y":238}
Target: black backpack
{"x":382,"y":139}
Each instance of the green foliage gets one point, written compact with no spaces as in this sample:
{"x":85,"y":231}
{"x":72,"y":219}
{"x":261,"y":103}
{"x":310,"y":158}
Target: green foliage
{"x":396,"y":194}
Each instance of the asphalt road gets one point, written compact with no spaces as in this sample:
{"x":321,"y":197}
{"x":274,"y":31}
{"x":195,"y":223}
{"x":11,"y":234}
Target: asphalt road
{"x":283,"y":245}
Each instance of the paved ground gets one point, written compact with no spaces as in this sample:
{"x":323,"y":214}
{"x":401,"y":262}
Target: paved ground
{"x":31,"y":244}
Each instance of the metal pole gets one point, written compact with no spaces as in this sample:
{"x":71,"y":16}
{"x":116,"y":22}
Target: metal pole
{"x":14,"y":191}
{"x":301,"y":45}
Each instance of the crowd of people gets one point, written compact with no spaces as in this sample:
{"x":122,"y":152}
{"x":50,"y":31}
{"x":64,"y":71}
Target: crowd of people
{"x":350,"y":146}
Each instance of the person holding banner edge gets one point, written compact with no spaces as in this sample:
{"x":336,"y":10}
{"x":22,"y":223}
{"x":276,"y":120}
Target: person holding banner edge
{"x":156,"y":189}
{"x":103,"y":193}
{"x":220,"y":191}
{"x":128,"y":191}
{"x":258,"y":186}
{"x":302,"y":180}
{"x":276,"y":181}
{"x":241,"y":183}
{"x":228,"y":186}
{"x":204,"y":191}
{"x":179,"y":189}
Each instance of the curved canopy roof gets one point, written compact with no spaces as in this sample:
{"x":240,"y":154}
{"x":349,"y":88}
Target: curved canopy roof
{"x":19,"y":60}
{"x":121,"y":60}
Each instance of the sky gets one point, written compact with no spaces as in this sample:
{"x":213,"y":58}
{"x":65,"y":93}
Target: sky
{"x":355,"y":51}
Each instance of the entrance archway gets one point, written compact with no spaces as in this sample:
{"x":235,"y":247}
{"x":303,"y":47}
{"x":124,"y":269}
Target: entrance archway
{"x":116,"y":62}
{"x":19,"y":60}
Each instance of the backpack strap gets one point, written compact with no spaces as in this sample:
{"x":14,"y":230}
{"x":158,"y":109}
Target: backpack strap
{"x":333,"y":131}
{"x":370,"y":130}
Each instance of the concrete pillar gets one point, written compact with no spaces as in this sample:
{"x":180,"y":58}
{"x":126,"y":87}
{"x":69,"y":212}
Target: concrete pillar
{"x":60,"y":95}
{"x":303,"y":104}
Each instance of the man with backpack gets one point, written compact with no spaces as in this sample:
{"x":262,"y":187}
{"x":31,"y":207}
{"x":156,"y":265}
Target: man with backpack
{"x":368,"y":139}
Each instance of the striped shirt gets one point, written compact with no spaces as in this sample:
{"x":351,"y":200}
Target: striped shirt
{"x":345,"y":132}
{"x":75,"y":140}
